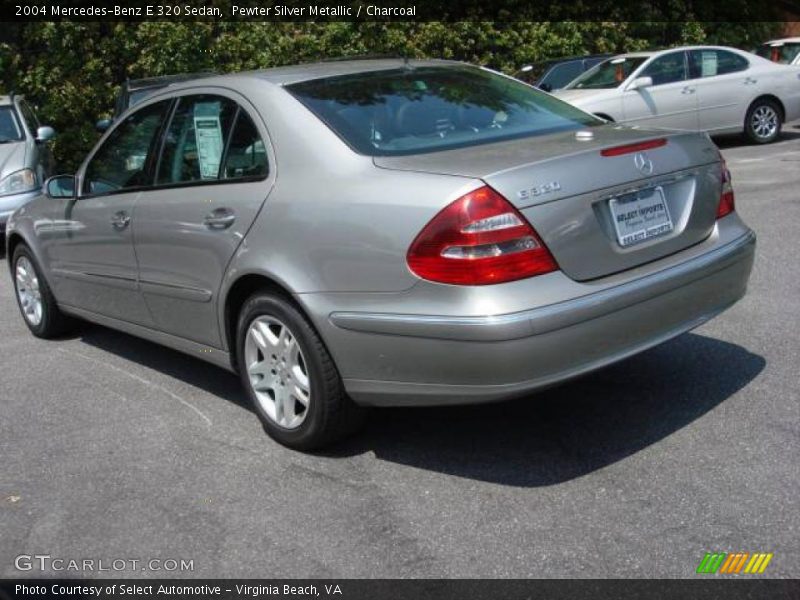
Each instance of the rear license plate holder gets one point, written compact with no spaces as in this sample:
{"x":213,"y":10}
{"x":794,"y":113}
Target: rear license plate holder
{"x":640,"y":216}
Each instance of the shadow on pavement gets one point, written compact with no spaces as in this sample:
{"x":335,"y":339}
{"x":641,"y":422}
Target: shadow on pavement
{"x":547,"y":438}
{"x":571,"y":430}
{"x":790,"y":133}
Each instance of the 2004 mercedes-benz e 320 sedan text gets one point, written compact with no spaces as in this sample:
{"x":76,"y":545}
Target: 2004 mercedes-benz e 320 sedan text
{"x":382,"y":233}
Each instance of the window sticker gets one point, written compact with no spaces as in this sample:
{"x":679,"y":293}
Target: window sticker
{"x":208,"y":133}
{"x":708,"y":65}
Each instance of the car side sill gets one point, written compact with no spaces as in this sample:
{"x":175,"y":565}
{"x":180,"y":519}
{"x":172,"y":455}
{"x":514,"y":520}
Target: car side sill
{"x":555,"y":316}
{"x":212,"y":355}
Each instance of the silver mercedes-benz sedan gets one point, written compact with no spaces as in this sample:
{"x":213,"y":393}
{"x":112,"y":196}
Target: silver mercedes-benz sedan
{"x":382,"y":232}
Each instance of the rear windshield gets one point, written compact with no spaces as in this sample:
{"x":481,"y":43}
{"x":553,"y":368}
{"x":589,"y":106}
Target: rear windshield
{"x":426,"y":109}
{"x":783,"y":53}
{"x":608,"y":75}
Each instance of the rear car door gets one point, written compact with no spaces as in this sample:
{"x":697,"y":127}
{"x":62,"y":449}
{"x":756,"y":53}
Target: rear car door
{"x":92,"y":255}
{"x":670,"y":103}
{"x":211,"y":180}
{"x":724,"y":85}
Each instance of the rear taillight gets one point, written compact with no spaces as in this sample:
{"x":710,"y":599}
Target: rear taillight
{"x":726,"y":201}
{"x":477,"y":240}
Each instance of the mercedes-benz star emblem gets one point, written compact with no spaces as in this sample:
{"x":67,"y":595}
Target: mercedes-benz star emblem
{"x":643,"y":163}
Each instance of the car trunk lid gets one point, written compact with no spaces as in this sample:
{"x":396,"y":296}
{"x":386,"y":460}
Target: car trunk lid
{"x":573,"y":190}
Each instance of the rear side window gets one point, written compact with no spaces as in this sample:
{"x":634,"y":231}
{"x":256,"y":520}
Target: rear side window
{"x":247,"y":155}
{"x":195,"y":140}
{"x":121,"y":162}
{"x":425,"y":109}
{"x":562,"y":74}
{"x":709,"y":63}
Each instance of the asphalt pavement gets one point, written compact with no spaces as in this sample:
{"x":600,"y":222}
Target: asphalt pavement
{"x":113,"y":448}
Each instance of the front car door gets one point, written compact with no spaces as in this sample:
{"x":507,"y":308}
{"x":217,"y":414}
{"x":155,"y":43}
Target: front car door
{"x":724,"y":84}
{"x":671,"y":102}
{"x":91,"y":253}
{"x":211,"y":180}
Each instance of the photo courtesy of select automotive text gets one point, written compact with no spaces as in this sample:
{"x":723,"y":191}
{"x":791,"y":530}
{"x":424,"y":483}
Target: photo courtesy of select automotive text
{"x":399,"y":299}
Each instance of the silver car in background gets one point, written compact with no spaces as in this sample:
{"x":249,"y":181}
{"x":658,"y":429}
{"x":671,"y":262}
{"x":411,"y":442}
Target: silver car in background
{"x":25,"y":159}
{"x":697,"y":88}
{"x":382,"y":233}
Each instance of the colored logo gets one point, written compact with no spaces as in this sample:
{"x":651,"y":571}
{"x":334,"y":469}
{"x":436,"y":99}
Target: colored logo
{"x":734,"y":562}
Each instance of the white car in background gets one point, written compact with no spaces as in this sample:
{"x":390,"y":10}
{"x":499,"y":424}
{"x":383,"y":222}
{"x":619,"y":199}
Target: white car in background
{"x":707,"y":88}
{"x":785,"y":51}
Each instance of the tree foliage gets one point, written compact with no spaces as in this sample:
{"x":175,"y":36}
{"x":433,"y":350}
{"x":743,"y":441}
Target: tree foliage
{"x":71,"y":71}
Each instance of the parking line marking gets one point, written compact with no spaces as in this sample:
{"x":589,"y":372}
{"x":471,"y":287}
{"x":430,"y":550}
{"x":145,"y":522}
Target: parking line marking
{"x":147,"y":382}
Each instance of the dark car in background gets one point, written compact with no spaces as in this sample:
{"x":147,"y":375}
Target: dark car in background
{"x":134,"y":91}
{"x":549,"y":75}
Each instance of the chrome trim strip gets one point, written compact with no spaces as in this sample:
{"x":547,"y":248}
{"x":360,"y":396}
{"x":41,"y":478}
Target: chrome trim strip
{"x":555,"y":316}
{"x":175,"y":291}
{"x":117,"y":281}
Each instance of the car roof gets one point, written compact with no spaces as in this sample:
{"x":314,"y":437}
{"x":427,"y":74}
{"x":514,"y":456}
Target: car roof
{"x":319,"y":70}
{"x":789,"y":40}
{"x":649,"y":53}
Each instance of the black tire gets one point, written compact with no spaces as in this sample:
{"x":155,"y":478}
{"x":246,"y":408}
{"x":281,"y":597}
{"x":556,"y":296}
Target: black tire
{"x":331,"y":414}
{"x":767,"y":107}
{"x":53,"y":321}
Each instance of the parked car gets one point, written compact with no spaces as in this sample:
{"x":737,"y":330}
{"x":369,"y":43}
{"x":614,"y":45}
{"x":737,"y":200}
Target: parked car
{"x":550,"y":75}
{"x":133,"y":91}
{"x":25,"y":159}
{"x":714,"y":89}
{"x":785,"y":51}
{"x":438,"y":234}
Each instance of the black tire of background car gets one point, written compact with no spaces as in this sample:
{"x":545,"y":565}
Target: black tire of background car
{"x":53,"y":322}
{"x":332,"y":414}
{"x":750,"y":134}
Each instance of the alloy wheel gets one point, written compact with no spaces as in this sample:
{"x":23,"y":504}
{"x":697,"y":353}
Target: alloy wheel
{"x":28,"y":292}
{"x":764,"y":122}
{"x":277,"y":372}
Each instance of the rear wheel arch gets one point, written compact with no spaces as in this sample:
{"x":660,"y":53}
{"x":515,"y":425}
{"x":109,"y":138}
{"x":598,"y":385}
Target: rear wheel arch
{"x":238,"y":293}
{"x":771,"y":98}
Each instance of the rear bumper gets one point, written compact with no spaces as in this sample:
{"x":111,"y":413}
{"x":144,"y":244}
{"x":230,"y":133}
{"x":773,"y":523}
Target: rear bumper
{"x":434,"y":359}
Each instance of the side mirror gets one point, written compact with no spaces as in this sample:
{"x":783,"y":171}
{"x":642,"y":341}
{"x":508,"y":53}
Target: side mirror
{"x":102,"y":125}
{"x":60,"y":186}
{"x":546,"y":87}
{"x":45,"y":134}
{"x":641,"y":82}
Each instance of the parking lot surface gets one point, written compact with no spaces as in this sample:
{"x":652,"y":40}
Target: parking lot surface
{"x":116,"y":448}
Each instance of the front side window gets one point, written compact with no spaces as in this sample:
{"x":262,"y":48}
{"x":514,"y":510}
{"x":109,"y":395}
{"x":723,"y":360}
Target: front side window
{"x":708,"y":63}
{"x":668,"y":68}
{"x":780,"y":53}
{"x":195,"y":140}
{"x":609,"y":74}
{"x":10,"y":130}
{"x":29,"y":116}
{"x":426,"y":109}
{"x":121,"y":162}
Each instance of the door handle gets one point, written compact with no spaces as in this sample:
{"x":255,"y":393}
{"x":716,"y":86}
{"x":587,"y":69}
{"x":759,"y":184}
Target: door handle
{"x":687,"y":90}
{"x":750,"y":81}
{"x":120,"y":220}
{"x":219,"y":218}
